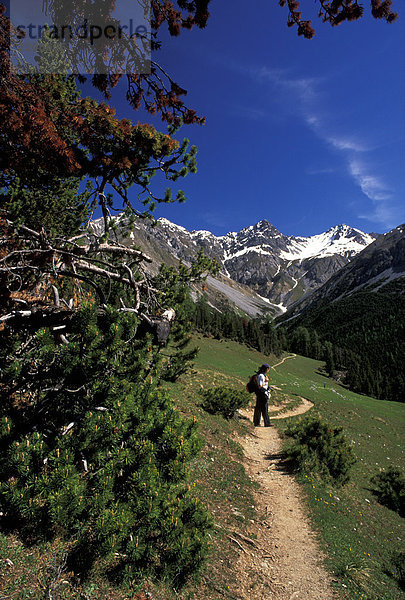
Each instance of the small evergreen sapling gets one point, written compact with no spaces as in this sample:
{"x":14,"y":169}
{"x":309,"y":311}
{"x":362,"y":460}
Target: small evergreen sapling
{"x":224,"y":401}
{"x":319,"y":448}
{"x":390,"y":489}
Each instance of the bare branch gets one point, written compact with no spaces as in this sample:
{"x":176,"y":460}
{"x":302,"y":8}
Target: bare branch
{"x":119,"y":250}
{"x":75,"y":275}
{"x":56,"y":296}
{"x":50,"y":316}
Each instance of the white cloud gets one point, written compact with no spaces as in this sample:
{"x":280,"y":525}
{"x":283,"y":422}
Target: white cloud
{"x":307,"y":98}
{"x":384,"y":209}
{"x":371,"y":185}
{"x":308,"y":102}
{"x":341,"y":143}
{"x":384,"y":214}
{"x":338,"y":141}
{"x":303,"y":87}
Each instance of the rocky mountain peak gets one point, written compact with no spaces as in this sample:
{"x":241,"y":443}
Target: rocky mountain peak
{"x":349,"y":233}
{"x":380,"y":266}
{"x":265,"y":225}
{"x":279,"y":268}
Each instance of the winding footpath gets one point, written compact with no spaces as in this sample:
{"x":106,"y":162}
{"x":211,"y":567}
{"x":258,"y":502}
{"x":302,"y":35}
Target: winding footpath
{"x":282,"y":560}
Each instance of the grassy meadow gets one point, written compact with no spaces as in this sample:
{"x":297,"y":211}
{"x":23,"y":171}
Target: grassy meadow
{"x":358,"y":535}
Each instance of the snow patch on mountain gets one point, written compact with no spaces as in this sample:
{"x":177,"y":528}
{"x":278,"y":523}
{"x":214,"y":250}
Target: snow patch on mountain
{"x":342,"y":239}
{"x":172,"y":226}
{"x":257,"y":249}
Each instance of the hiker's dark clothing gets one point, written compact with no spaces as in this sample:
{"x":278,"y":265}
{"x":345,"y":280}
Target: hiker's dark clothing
{"x":262,"y":401}
{"x":261,"y":408}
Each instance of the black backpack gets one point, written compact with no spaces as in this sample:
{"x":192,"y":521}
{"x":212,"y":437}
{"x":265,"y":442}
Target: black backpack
{"x":251,"y":385}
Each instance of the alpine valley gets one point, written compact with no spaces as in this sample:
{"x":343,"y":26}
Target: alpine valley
{"x":261,"y":269}
{"x":360,"y":314}
{"x":337,"y":296}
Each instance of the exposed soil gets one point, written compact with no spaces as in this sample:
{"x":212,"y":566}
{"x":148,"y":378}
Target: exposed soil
{"x":281,"y":560}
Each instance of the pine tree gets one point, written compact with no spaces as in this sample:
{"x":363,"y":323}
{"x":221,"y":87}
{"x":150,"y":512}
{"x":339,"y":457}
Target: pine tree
{"x":315,"y":345}
{"x":92,"y":450}
{"x":301,"y":341}
{"x":329,"y":359}
{"x":203,"y":314}
{"x":41,"y":200}
{"x":56,"y":206}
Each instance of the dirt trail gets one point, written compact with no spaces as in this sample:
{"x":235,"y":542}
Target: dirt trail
{"x":298,"y":410}
{"x":283,"y":360}
{"x":284,"y":561}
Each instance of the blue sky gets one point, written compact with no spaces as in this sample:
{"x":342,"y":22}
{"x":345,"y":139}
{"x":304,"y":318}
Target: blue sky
{"x":304,"y":133}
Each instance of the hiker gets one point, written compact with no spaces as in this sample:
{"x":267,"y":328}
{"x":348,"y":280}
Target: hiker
{"x":262,"y":397}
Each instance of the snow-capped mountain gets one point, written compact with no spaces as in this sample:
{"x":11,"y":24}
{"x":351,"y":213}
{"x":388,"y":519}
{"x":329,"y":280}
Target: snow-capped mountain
{"x":342,"y":240}
{"x":283,"y":268}
{"x":378,"y":268}
{"x":264,"y":239}
{"x":278,"y":268}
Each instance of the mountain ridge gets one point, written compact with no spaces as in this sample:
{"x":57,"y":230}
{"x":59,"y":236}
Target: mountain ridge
{"x":276,"y":267}
{"x":360,"y":312}
{"x":380,"y":266}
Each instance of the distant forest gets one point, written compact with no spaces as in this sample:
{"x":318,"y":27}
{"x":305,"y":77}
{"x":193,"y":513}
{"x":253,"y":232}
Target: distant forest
{"x":366,"y":334}
{"x":258,"y":333}
{"x":361,"y":340}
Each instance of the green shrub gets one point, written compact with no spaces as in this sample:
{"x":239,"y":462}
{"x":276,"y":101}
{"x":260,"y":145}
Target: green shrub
{"x":95,"y":453}
{"x":398,"y":566}
{"x":391,"y":489}
{"x":224,"y":401}
{"x":319,"y":448}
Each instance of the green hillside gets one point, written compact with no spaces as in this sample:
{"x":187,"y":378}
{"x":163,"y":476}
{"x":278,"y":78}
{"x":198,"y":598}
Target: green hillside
{"x":367,"y":331}
{"x":360,"y":536}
